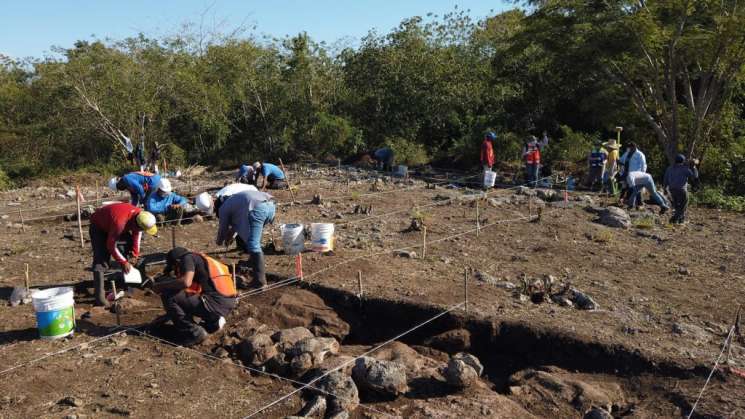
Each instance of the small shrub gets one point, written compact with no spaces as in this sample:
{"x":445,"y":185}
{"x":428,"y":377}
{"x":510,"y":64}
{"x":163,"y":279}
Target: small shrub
{"x":716,"y":198}
{"x":407,"y":152}
{"x":644,"y":223}
{"x":603,"y":236}
{"x":5,"y":182}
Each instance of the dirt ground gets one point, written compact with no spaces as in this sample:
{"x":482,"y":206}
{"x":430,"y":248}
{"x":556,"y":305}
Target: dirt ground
{"x":667,"y":297}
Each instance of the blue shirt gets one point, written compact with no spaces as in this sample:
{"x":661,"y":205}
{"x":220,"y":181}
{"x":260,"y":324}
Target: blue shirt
{"x":158,"y":204}
{"x":383,"y":154}
{"x":637,"y":161}
{"x":271,"y":172}
{"x":139,"y":186}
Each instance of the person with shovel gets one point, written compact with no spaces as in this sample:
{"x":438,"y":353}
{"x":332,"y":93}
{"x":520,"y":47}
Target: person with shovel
{"x":110,"y":224}
{"x":246,"y":214}
{"x":201,"y":286}
{"x":611,"y":166}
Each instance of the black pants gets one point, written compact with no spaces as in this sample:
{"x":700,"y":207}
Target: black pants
{"x":182,"y":307}
{"x":277,"y":184}
{"x":101,"y":255}
{"x":680,"y":204}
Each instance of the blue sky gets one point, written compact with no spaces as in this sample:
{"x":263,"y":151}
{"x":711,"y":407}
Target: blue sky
{"x":31,"y":27}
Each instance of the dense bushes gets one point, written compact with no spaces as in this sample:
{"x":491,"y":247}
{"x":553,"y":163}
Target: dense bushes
{"x":429,"y":89}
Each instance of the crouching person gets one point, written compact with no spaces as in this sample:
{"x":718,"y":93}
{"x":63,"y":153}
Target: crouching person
{"x":203,"y":287}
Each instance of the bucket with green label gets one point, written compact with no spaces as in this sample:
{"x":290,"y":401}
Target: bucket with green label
{"x":55,"y":312}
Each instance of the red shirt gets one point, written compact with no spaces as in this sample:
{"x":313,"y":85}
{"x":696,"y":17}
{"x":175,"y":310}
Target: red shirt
{"x":115,"y":220}
{"x":487,"y":153}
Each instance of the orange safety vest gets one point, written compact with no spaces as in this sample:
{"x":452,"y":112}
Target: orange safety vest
{"x":533,"y":155}
{"x":220,"y":276}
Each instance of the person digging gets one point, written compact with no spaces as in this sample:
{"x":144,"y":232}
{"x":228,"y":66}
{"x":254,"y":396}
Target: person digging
{"x":201,"y":286}
{"x":121,"y":222}
{"x":246,"y":214}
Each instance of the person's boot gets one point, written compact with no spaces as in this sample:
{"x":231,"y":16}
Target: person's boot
{"x":259,"y":270}
{"x":195,"y":336}
{"x":100,"y":290}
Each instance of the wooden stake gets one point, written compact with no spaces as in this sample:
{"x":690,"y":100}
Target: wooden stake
{"x":118,"y":315}
{"x":98,"y":193}
{"x":287,"y":179}
{"x":23,"y":226}
{"x":113,"y":289}
{"x":235,"y":282}
{"x":424,"y":242}
{"x":359,"y":284}
{"x":478,"y":221}
{"x":173,"y":237}
{"x":347,"y":184}
{"x":465,"y":288}
{"x":27,"y":281}
{"x":80,"y":221}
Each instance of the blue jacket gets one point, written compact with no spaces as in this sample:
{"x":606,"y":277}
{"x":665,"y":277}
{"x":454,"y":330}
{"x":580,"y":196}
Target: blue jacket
{"x":271,"y":172}
{"x":139,"y":186}
{"x":677,"y":176}
{"x":158,"y":204}
{"x":637,"y":162}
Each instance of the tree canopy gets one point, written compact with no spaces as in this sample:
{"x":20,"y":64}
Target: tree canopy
{"x":671,"y":73}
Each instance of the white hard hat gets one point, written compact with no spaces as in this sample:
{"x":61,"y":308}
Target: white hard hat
{"x":165,"y":185}
{"x":204,"y":202}
{"x":112,"y":183}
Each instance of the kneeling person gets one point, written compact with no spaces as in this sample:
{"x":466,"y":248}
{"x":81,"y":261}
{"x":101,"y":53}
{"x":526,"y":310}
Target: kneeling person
{"x":165,"y":204}
{"x":202,"y":287}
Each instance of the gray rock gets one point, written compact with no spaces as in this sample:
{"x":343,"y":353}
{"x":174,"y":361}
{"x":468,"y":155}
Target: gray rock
{"x":405,"y":254}
{"x":614,"y":217}
{"x":257,"y":349}
{"x":597,"y":413}
{"x":524,"y":190}
{"x":386,"y":378}
{"x":340,"y":392}
{"x":682,"y":270}
{"x":459,"y":374}
{"x":315,"y":407}
{"x":548,"y":195}
{"x":289,"y":337}
{"x":316,"y":346}
{"x":471,"y":360}
{"x":582,"y":300}
{"x":71,"y":401}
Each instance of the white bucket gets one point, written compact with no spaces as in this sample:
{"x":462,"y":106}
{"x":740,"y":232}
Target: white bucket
{"x":489,"y":178}
{"x":293,"y":239}
{"x":401,"y":171}
{"x":322,"y":237}
{"x":55,"y":312}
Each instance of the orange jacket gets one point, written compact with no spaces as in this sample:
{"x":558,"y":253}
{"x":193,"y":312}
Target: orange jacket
{"x":487,"y":153}
{"x":220,"y":276}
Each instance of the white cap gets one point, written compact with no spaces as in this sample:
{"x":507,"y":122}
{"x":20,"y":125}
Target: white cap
{"x":204,"y":202}
{"x":112,"y":183}
{"x":165,"y":185}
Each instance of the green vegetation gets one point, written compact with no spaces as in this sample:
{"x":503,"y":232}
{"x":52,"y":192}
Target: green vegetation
{"x":715,"y":198}
{"x":671,"y":73}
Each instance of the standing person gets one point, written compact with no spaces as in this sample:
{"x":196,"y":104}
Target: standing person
{"x":166,"y":204}
{"x":596,"y":162}
{"x":611,"y":166}
{"x":676,"y":181}
{"x":246,"y":175}
{"x":384,"y":158}
{"x":487,"y":151}
{"x":138,"y":184}
{"x":202,"y":287}
{"x":247,"y":213}
{"x":112,"y":223}
{"x":140,"y":155}
{"x":272,"y":176}
{"x":155,"y":157}
{"x":532,"y":155}
{"x":639,"y":180}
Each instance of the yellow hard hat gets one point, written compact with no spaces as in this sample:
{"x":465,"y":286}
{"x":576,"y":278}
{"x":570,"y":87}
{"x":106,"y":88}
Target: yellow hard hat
{"x":146,"y":221}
